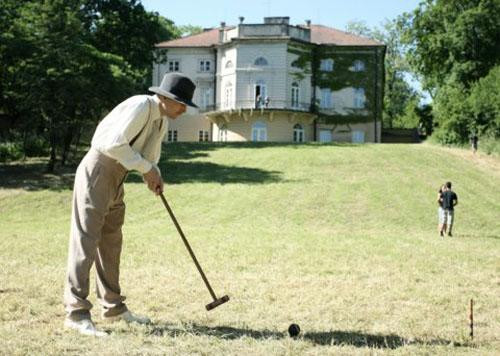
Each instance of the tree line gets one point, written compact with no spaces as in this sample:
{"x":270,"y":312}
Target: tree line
{"x":64,"y":63}
{"x":453,"y":48}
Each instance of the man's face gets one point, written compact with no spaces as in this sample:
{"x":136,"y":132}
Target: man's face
{"x":172,"y":108}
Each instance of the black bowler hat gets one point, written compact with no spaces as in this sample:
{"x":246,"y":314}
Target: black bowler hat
{"x":178,"y":87}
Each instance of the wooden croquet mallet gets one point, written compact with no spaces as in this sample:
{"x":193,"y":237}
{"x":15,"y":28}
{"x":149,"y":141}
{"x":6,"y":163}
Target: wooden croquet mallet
{"x":216,"y":301}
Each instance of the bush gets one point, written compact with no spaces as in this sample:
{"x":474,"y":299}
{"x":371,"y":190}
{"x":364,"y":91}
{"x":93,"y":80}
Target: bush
{"x":36,"y":147}
{"x":10,"y":151}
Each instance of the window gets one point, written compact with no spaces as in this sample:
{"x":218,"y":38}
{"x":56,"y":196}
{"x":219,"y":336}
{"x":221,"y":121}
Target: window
{"x":172,"y":136}
{"x":326,"y":65}
{"x":205,"y":65}
{"x":261,"y":61}
{"x":359,"y":66}
{"x":359,"y":98}
{"x":259,"y":131}
{"x":326,"y":99}
{"x":298,"y":133}
{"x":173,"y":66}
{"x":223,"y":133}
{"x":203,"y":136}
{"x":229,"y":64}
{"x":205,"y":96}
{"x":358,"y":137}
{"x":295,"y":95}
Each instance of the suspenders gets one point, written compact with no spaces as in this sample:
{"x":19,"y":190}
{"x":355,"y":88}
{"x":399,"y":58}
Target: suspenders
{"x":149,"y":116}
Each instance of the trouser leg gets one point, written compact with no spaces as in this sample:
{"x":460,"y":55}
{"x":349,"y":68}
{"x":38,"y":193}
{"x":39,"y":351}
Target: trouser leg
{"x":450,"y":220}
{"x":87,"y":219}
{"x":108,"y":259}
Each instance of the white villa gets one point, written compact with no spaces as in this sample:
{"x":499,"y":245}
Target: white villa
{"x":262,"y":82}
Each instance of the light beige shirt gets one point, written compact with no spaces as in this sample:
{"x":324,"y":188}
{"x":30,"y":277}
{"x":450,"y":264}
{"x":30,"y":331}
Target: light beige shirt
{"x":138,"y":115}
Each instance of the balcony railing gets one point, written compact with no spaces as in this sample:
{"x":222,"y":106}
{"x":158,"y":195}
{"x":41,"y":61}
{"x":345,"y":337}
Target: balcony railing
{"x":206,"y":108}
{"x":271,"y":104}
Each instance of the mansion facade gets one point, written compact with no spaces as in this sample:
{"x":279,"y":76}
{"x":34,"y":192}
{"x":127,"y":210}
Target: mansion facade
{"x":277,"y":82}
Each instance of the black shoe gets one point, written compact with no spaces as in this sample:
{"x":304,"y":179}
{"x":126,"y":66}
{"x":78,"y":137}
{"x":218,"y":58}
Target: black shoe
{"x":450,"y":235}
{"x":441,"y":234}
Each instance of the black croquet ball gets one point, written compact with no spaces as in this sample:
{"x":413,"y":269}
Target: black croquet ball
{"x":293,"y":330}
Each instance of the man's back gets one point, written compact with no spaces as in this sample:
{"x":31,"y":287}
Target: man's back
{"x":449,"y":197}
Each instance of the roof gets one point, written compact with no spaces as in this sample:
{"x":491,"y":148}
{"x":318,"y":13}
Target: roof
{"x":319,"y":34}
{"x":206,"y":38}
{"x":326,"y":35}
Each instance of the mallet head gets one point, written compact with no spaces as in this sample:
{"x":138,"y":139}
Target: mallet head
{"x":217,"y":302}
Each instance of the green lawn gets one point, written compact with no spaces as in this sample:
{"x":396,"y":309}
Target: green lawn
{"x":340,"y":239}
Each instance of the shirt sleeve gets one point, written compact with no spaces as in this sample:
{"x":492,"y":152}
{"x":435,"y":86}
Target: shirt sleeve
{"x":129,"y":118}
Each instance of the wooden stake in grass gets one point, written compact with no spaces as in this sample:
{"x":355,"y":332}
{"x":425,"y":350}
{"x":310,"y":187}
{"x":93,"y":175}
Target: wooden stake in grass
{"x":471,"y":318}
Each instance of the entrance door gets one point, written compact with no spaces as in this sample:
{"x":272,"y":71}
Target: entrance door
{"x":260,"y":94}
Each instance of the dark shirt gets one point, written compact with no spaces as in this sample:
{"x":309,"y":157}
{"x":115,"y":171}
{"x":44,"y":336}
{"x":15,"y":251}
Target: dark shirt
{"x":449,"y":197}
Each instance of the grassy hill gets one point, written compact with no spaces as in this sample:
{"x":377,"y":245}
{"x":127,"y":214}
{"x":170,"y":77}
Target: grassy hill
{"x":340,"y":239}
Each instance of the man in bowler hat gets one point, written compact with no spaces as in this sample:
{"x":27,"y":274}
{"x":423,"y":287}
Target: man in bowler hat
{"x":128,"y":138}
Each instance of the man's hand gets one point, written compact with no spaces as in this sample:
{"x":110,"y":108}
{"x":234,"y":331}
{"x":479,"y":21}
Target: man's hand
{"x":154,"y":181}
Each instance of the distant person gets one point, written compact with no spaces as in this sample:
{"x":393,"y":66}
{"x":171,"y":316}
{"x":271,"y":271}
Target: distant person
{"x":441,"y":224}
{"x":258,"y":102}
{"x":128,"y":138}
{"x":473,"y":140}
{"x":450,"y":200}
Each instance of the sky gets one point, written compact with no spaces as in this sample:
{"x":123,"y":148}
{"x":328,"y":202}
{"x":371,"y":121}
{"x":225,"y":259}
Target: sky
{"x":332,"y":13}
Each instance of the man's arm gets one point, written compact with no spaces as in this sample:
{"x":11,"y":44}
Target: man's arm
{"x":119,"y":128}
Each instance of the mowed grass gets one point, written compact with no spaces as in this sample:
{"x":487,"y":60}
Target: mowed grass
{"x":340,"y":239}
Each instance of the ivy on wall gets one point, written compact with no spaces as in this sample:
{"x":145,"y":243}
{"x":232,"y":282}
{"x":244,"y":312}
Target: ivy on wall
{"x":309,"y":57}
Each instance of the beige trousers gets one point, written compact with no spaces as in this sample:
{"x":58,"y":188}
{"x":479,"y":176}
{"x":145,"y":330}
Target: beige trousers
{"x":96,"y":236}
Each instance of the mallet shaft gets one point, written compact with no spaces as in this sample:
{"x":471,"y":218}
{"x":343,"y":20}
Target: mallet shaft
{"x":170,"y":212}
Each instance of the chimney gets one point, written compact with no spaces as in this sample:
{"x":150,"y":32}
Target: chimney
{"x":241,"y":19}
{"x":308,"y":23}
{"x":221,"y":31}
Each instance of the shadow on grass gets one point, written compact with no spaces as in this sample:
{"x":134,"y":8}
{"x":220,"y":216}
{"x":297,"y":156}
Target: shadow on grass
{"x":179,"y":172}
{"x":32,"y":175}
{"x":330,"y":338}
{"x":189,"y":150}
{"x":175,"y":163}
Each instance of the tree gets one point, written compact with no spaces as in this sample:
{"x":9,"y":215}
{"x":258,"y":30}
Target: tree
{"x":64,"y":82}
{"x":453,"y":39}
{"x":359,"y":28}
{"x":126,"y":29}
{"x":452,"y":44}
{"x":189,"y":30}
{"x":64,"y":63}
{"x":484,"y":104}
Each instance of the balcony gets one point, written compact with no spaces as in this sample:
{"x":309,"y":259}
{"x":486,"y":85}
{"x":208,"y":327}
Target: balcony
{"x":247,"y":109}
{"x":270,"y":105}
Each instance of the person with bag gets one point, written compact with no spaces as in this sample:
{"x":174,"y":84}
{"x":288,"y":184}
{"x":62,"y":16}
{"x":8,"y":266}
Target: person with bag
{"x":450,"y":200}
